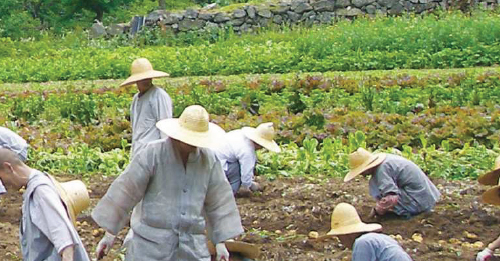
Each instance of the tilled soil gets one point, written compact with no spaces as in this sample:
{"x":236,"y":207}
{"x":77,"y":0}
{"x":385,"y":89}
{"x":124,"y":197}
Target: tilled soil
{"x":280,"y":218}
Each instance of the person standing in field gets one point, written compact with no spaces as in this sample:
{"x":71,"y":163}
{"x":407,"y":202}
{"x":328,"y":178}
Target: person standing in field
{"x":49,"y":211}
{"x":491,"y":196}
{"x":182,"y":192}
{"x":397,"y":184}
{"x":238,"y":157}
{"x":150,"y":105}
{"x":366,"y":244}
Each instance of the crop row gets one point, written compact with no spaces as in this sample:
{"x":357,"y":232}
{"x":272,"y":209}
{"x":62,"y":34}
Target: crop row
{"x":312,"y":159}
{"x":392,"y":111}
{"x":446,"y":41}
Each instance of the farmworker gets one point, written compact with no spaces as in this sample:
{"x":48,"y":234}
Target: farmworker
{"x":49,"y":211}
{"x":366,"y":245}
{"x":10,"y":140}
{"x":397,"y":184}
{"x":491,"y":196}
{"x":179,"y":184}
{"x":150,"y":105}
{"x":238,"y":158}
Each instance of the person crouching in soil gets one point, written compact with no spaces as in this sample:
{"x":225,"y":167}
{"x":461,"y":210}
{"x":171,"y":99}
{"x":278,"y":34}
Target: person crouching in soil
{"x":182,"y":191}
{"x":491,"y":196}
{"x":237,"y":155}
{"x":366,"y":245}
{"x":397,"y":184}
{"x":49,"y":211}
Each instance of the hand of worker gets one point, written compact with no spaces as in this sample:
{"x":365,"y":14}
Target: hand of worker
{"x":222,"y":253}
{"x":244,"y":192}
{"x":373,"y":213}
{"x":484,"y":255}
{"x":255,"y":187}
{"x":105,"y":245}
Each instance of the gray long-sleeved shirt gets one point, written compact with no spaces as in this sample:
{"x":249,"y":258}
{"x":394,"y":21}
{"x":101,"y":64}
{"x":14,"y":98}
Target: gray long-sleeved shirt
{"x":146,"y":110}
{"x":378,"y":247}
{"x":177,"y":204}
{"x":404,"y":178}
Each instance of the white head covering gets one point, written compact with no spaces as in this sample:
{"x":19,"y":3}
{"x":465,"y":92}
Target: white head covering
{"x":2,"y":188}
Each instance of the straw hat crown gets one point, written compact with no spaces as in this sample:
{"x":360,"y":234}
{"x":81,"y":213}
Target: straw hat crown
{"x":492,"y":177}
{"x":194,"y":118}
{"x":142,"y":69}
{"x":263,"y":135}
{"x":345,"y":220}
{"x":361,"y":160}
{"x":193,"y":127}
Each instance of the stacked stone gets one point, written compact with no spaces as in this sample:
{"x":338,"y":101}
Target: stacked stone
{"x":249,"y":18}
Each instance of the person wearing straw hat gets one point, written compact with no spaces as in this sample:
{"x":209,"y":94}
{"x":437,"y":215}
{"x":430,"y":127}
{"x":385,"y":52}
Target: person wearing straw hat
{"x":181,"y":190}
{"x":149,"y":105}
{"x":238,"y":158}
{"x":10,"y":140}
{"x":49,"y":211}
{"x":397,"y":184}
{"x":366,"y":244}
{"x":491,"y":196}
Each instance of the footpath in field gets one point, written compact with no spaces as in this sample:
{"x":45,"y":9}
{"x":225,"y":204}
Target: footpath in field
{"x":280,"y":219}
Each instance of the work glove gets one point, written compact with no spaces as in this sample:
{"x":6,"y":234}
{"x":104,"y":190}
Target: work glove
{"x":255,"y":186}
{"x":105,"y":245}
{"x":222,"y":253}
{"x":484,"y":255}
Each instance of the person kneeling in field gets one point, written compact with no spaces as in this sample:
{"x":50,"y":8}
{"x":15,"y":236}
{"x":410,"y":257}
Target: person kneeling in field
{"x":237,"y":155}
{"x":182,"y":191}
{"x":360,"y":237}
{"x":491,"y":196}
{"x":48,"y":210}
{"x":397,"y":184}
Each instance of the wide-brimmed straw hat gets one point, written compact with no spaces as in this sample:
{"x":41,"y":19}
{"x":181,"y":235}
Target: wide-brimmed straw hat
{"x":491,"y":178}
{"x":361,"y":161}
{"x":193,"y":127}
{"x":263,"y":135}
{"x":245,"y":249}
{"x":75,"y":196}
{"x":345,"y":220}
{"x":142,"y":69}
{"x":492,"y":195}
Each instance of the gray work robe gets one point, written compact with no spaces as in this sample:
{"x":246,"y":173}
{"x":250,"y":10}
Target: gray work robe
{"x":169,"y":223}
{"x":404,"y":178}
{"x":146,"y":110}
{"x":378,"y":247}
{"x":35,"y":245}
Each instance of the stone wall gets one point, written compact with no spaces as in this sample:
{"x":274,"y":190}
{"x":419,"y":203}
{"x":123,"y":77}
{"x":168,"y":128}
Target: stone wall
{"x":249,"y":18}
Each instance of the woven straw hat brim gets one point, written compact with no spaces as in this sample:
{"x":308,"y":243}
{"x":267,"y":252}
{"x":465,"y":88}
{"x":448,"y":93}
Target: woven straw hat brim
{"x":491,"y":196}
{"x":356,"y":228}
{"x":490,"y":178}
{"x":245,"y":249}
{"x":376,"y":160}
{"x":208,"y":139}
{"x":144,"y":75}
{"x":70,"y":206}
{"x":270,"y":145}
